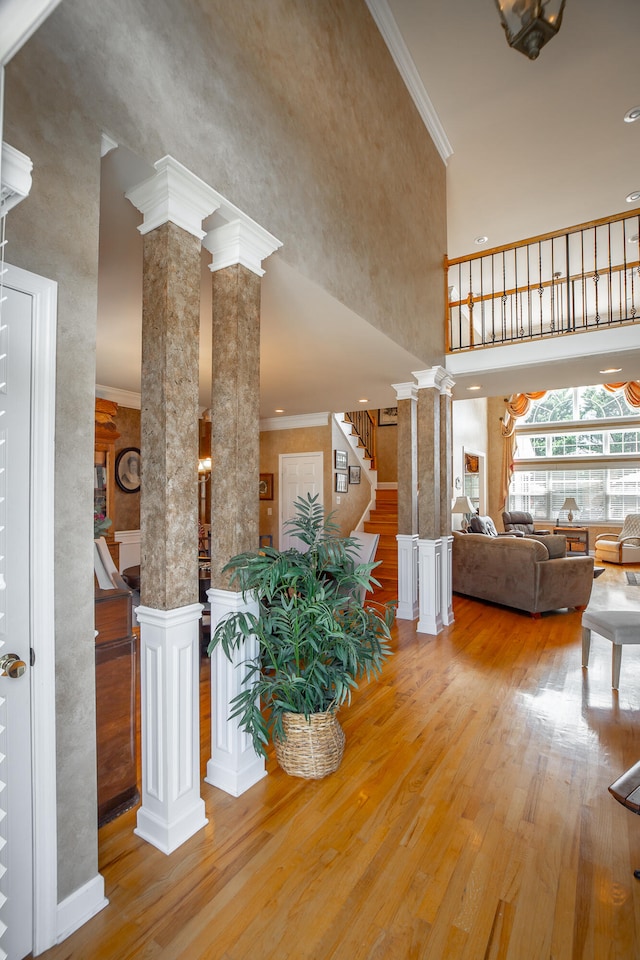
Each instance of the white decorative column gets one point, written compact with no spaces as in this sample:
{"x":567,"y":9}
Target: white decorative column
{"x":430,"y":544}
{"x":430,"y":586}
{"x":174,"y":203}
{"x":407,"y":538}
{"x":446,"y":491}
{"x":234,"y":765}
{"x":172,"y":810}
{"x":238,"y":248}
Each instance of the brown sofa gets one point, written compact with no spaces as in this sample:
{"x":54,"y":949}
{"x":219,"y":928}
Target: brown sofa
{"x":519,"y":572}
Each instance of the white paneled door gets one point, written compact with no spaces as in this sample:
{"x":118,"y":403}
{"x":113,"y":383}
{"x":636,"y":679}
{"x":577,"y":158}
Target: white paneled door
{"x":16,"y":861}
{"x":300,"y":474}
{"x":28,"y":873}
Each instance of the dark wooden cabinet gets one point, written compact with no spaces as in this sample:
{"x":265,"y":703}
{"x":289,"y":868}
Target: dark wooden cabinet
{"x":116,"y":693}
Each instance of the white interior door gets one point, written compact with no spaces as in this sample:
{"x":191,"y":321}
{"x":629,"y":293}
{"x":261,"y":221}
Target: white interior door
{"x":300,"y":474}
{"x":16,"y":842}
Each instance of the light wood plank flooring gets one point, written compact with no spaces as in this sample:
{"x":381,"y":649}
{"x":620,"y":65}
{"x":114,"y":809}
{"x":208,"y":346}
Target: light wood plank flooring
{"x":470,"y":818}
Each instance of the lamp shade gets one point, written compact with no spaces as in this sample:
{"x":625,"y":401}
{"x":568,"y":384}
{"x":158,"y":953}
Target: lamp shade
{"x":570,"y":504}
{"x":463,"y":505}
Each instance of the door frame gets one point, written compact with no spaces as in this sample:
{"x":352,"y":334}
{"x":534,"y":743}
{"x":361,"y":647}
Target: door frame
{"x":44,"y":294}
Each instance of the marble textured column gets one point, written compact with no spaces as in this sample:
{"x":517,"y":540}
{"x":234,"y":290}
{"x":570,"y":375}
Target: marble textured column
{"x":430,"y":499}
{"x":235,"y":423}
{"x":446,"y":493}
{"x":238,"y":249}
{"x":174,"y":203}
{"x":407,"y":539}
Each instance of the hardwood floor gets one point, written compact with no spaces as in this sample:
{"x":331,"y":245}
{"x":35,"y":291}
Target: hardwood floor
{"x":469,"y":820}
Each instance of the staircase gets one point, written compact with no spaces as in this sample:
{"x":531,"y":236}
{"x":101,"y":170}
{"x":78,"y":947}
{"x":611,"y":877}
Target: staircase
{"x":384,"y":520}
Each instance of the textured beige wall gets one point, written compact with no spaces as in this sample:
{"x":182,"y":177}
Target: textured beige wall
{"x":348,"y":507}
{"x":295,"y":112}
{"x":301,"y":440}
{"x":387,"y":453}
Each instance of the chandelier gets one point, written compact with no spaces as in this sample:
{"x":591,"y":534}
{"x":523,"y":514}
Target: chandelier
{"x":529,"y":24}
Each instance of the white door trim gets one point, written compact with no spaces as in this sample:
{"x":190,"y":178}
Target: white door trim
{"x":41,"y":600}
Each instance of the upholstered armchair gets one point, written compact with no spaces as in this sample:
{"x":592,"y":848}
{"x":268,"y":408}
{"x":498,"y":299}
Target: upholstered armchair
{"x":624,"y":548}
{"x":521,"y":524}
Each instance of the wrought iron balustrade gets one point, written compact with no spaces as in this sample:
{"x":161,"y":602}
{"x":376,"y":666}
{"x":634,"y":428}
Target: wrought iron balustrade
{"x":585,"y":278}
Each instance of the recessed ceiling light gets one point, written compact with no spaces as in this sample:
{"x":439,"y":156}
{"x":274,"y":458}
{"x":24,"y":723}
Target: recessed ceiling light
{"x":480,"y":240}
{"x":631,"y":115}
{"x":476,"y":386}
{"x":612,"y":370}
{"x":633,"y":239}
{"x":363,"y":400}
{"x":632,"y":197}
{"x":279,"y":410}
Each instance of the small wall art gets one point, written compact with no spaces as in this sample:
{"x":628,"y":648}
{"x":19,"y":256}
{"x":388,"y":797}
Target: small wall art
{"x":341,"y":459}
{"x":388,"y":417}
{"x":341,"y":483}
{"x":354,"y":474}
{"x":266,"y":486}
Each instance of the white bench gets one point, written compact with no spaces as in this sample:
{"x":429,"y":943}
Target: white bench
{"x":618,"y":626}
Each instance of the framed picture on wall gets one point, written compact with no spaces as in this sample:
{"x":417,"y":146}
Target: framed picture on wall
{"x":341,"y":459}
{"x":388,"y":417}
{"x":354,"y":474}
{"x":128,"y":469}
{"x":266,"y":486}
{"x":341,"y":483}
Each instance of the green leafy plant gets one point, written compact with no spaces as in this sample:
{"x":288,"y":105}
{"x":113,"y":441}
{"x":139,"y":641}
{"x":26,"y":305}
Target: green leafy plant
{"x":316,"y":638}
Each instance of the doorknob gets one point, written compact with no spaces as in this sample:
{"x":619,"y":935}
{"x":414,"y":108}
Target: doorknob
{"x":12,"y":666}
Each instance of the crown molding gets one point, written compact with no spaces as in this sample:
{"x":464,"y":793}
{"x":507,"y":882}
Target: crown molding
{"x":436,"y":377}
{"x":386,"y":24}
{"x":406,"y":391}
{"x":16,"y":177}
{"x":174,"y":194}
{"x":293,"y":423}
{"x":242,"y":240}
{"x":124,"y":398}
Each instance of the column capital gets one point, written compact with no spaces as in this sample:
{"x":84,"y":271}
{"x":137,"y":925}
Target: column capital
{"x":16,"y":177}
{"x":240,"y":240}
{"x":436,"y":377}
{"x":406,"y":391}
{"x":174,"y":194}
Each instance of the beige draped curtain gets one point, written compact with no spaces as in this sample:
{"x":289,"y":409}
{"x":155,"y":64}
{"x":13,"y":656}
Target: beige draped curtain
{"x":519,"y":405}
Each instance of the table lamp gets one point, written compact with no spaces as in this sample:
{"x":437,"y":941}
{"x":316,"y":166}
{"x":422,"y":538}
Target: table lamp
{"x":570,"y":505}
{"x":463,"y":505}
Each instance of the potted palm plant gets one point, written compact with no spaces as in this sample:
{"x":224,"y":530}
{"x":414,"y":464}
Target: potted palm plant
{"x":316,"y":640}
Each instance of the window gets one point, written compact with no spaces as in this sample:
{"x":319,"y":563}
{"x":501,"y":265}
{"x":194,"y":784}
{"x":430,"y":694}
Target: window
{"x":583,"y":443}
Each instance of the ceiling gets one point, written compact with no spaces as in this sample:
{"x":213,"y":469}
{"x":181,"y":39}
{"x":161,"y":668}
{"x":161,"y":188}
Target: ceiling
{"x":536,"y":146}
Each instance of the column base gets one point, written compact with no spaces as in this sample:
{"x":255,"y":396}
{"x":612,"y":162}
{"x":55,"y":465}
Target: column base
{"x":166,"y":836}
{"x":408,"y":605}
{"x":446,"y":579}
{"x":430,"y":586}
{"x":234,"y":765}
{"x":172,"y":809}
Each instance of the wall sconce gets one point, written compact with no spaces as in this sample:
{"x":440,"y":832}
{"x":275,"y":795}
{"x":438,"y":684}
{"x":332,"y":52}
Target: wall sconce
{"x":463,"y":505}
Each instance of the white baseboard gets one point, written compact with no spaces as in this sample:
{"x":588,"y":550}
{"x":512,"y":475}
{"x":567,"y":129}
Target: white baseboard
{"x":79,"y":907}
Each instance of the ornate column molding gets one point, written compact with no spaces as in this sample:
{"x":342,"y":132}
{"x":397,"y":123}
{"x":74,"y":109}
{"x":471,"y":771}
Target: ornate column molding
{"x":240,"y":240}
{"x":234,"y":766}
{"x":174,"y":194}
{"x":430,"y":586}
{"x":434,"y":377}
{"x":172,"y":809}
{"x":16,"y":170}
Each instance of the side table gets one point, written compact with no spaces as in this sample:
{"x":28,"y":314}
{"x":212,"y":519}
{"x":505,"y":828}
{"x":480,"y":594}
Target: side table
{"x":577,"y":538}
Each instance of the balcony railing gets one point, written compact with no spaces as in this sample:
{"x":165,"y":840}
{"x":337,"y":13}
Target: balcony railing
{"x":585,"y":278}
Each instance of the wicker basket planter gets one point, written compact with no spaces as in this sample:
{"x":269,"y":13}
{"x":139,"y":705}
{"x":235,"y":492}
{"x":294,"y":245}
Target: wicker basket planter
{"x":313,"y":748}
